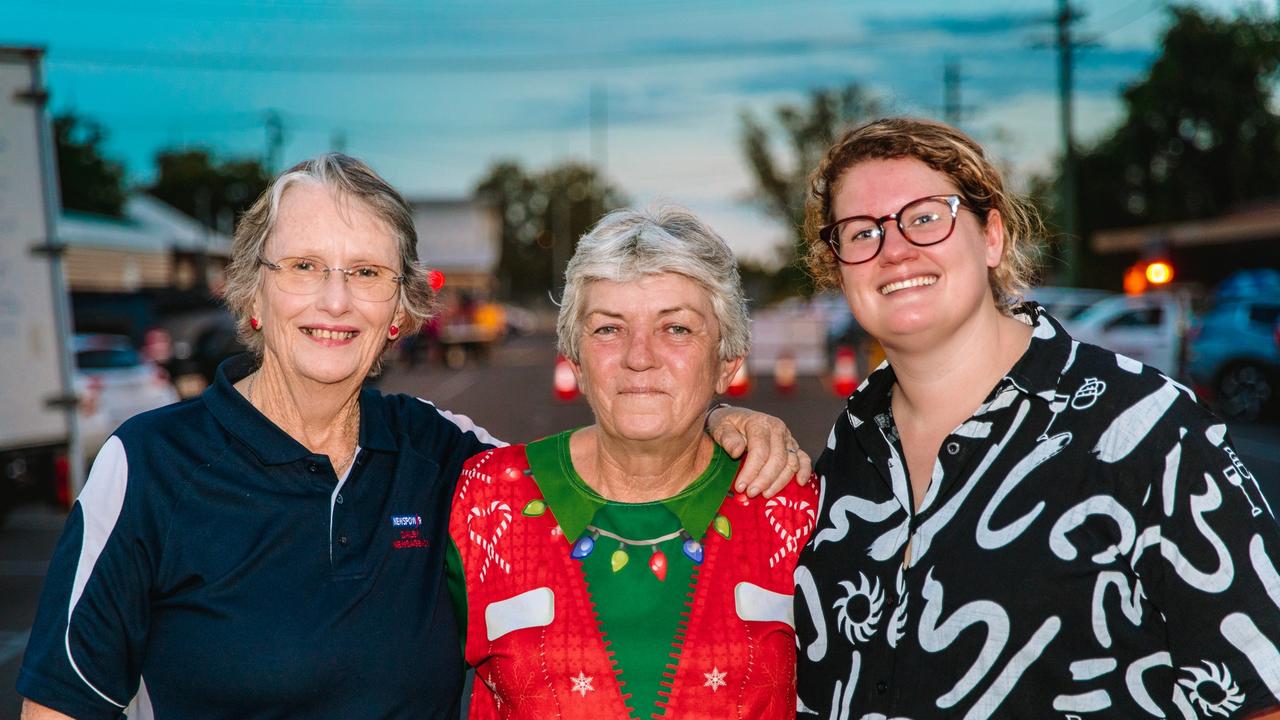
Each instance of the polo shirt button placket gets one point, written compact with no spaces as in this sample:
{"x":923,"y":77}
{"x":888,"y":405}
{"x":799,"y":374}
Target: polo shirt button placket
{"x":343,"y":540}
{"x":313,"y":467}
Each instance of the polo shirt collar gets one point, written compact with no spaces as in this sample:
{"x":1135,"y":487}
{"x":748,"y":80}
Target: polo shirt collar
{"x":575,"y":504}
{"x":270,"y":444}
{"x":1036,"y":373}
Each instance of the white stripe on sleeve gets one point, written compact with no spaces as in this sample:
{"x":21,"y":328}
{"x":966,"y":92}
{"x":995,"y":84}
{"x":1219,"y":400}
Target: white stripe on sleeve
{"x":100,"y":504}
{"x":466,"y":425}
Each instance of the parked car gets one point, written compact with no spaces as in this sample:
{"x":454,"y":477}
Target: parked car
{"x":1067,"y":304}
{"x":1233,"y":357}
{"x":114,"y":383}
{"x":1150,"y":328}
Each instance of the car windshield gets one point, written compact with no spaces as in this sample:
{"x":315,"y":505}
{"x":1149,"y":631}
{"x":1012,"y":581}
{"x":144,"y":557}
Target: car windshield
{"x":107,"y":359}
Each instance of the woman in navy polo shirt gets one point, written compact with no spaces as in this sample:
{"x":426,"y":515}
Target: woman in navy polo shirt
{"x":275,"y":547}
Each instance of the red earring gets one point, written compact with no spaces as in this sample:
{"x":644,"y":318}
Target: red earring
{"x":395,"y":330}
{"x":255,"y":323}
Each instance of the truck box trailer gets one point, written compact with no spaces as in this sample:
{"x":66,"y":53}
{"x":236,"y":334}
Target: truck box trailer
{"x":38,"y":444}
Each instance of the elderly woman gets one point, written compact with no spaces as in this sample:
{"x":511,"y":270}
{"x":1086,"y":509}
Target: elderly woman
{"x":610,"y":571}
{"x":275,"y":547}
{"x":1014,"y":524}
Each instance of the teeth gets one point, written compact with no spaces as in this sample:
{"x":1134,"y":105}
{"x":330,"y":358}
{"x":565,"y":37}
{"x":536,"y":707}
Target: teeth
{"x":909,"y":283}
{"x":328,"y":334}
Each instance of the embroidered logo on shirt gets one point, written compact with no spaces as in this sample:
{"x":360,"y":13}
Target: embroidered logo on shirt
{"x":410,"y":536}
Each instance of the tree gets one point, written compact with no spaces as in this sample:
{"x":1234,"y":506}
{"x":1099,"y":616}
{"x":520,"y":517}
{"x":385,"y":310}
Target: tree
{"x":1198,"y":137}
{"x":89,"y":181}
{"x":782,"y":185}
{"x":211,"y":191}
{"x":543,"y":215}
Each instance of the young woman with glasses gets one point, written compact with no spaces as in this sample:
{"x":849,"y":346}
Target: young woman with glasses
{"x":1013,"y":524}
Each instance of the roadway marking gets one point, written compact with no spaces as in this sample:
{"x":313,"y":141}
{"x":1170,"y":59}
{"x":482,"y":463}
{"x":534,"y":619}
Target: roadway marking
{"x":453,"y":387}
{"x":12,"y":644}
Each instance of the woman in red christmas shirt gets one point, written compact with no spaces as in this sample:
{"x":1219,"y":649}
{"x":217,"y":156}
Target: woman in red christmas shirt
{"x":611,"y":571}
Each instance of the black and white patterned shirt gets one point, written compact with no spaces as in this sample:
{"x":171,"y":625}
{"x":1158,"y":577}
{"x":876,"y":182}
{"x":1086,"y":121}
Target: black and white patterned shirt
{"x":1089,"y":546}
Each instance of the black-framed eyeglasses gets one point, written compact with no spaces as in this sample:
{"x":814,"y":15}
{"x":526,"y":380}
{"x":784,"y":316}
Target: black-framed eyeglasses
{"x":923,"y":222}
{"x":306,"y":276}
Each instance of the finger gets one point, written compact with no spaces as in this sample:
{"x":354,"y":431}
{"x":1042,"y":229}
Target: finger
{"x":758,"y":454}
{"x":775,"y":465}
{"x":731,"y":441}
{"x":805,"y":473}
{"x":788,"y":475}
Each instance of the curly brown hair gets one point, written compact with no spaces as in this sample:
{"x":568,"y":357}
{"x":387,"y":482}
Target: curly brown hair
{"x":950,"y":152}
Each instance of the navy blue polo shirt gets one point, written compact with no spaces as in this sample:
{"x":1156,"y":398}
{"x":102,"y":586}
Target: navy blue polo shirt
{"x":214,"y":567}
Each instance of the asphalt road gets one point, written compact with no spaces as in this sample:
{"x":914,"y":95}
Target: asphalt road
{"x":511,"y":396}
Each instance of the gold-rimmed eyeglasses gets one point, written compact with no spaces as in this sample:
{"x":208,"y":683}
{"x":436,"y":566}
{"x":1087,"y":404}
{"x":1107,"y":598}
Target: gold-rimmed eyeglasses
{"x":306,"y":276}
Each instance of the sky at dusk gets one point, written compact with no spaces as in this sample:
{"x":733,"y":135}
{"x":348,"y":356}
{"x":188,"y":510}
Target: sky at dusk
{"x":432,"y":93}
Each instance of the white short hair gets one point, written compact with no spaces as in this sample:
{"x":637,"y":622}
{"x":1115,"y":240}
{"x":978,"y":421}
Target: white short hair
{"x":629,"y":244}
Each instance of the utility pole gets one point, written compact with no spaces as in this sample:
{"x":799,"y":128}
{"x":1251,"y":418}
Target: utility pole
{"x":951,"y":109}
{"x":275,"y":141}
{"x":1066,"y":17}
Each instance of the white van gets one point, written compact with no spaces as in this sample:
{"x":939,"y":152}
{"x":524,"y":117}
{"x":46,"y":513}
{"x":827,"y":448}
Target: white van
{"x":1149,"y":328}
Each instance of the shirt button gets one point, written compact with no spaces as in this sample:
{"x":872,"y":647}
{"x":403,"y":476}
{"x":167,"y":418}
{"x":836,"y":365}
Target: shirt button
{"x":343,"y":540}
{"x":338,"y":499}
{"x":882,"y":687}
{"x":313,"y":468}
{"x":953,"y":447}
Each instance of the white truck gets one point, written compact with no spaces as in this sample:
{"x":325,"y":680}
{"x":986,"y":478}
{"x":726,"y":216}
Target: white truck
{"x":39,"y":455}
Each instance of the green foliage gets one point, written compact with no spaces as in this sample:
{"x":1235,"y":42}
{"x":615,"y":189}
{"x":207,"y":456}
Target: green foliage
{"x":782,"y":183}
{"x":88,"y":180}
{"x":543,"y":215}
{"x":1199,"y":135}
{"x":212,"y":191}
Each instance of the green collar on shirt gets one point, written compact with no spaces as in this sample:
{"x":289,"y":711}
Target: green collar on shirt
{"x":575,"y":504}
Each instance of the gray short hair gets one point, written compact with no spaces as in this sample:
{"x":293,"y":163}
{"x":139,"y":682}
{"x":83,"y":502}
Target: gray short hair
{"x":348,"y":178}
{"x":629,"y":244}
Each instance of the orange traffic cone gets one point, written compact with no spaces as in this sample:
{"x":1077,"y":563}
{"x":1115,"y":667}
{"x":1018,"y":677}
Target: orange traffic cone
{"x":784,"y":373}
{"x":741,"y":382}
{"x":564,"y":383}
{"x":844,"y":376}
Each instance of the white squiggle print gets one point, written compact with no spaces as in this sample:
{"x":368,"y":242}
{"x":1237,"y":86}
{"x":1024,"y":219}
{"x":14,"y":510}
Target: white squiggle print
{"x":1211,"y":582}
{"x":992,"y":539}
{"x":936,"y":522}
{"x":1265,"y":569}
{"x":842,"y":695}
{"x":936,"y":636}
{"x":898,"y":621}
{"x":1240,"y":630}
{"x":1087,"y":702}
{"x":808,"y":589}
{"x":1012,"y":672}
{"x":897,"y":473}
{"x":891,"y":542}
{"x":1077,"y":515}
{"x":1130,"y":602}
{"x":1092,"y":668}
{"x":1171,"y":461}
{"x":1134,"y":424}
{"x":1138,"y":689}
{"x":1128,"y":364}
{"x":852,"y":505}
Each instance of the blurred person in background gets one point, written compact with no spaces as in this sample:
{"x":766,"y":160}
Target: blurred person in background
{"x":611,"y":571}
{"x":1014,"y":524}
{"x":276,"y":546}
